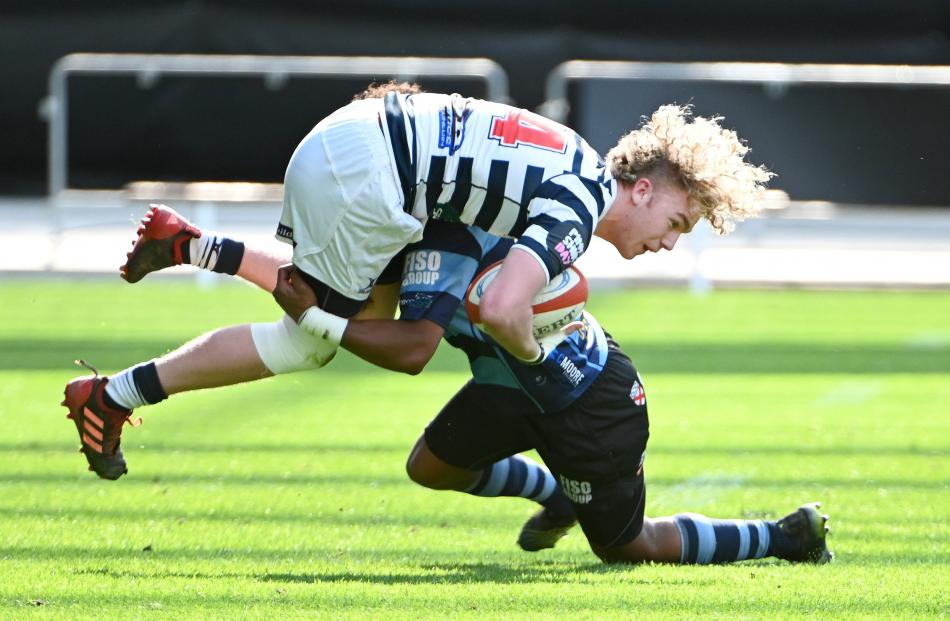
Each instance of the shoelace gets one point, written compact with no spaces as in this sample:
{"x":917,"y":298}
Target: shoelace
{"x":137,"y":421}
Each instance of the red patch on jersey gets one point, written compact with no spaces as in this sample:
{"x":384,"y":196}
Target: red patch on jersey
{"x":637,"y":394}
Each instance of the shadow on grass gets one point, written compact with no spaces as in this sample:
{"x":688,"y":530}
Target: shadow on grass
{"x":728,"y":481}
{"x":186,"y":448}
{"x":416,"y":573}
{"x":22,"y":354}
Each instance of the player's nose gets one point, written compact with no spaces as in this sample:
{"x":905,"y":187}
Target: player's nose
{"x":669,"y":240}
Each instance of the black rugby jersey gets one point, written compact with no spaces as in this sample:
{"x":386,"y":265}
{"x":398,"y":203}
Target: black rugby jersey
{"x":436,"y":273}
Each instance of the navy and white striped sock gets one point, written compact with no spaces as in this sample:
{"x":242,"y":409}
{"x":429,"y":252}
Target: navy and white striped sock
{"x":135,"y":387}
{"x":707,"y":541}
{"x":519,"y":476}
{"x":214,"y":252}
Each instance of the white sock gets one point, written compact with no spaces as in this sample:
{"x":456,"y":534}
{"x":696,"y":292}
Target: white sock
{"x":205,"y":250}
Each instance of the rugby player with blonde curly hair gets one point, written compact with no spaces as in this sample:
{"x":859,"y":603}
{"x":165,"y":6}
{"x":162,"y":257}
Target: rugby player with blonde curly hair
{"x":361,"y":186}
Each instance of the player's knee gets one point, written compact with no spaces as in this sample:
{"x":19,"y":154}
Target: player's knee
{"x":420,"y":472}
{"x":285,"y":348}
{"x":429,"y":471}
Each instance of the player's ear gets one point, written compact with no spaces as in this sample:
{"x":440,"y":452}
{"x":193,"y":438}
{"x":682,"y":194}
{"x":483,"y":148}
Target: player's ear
{"x":642,"y":190}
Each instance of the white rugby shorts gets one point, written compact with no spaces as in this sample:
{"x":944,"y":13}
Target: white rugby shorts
{"x":343,"y":204}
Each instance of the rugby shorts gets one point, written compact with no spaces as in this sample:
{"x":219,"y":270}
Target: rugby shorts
{"x":595,"y":447}
{"x":343,"y":204}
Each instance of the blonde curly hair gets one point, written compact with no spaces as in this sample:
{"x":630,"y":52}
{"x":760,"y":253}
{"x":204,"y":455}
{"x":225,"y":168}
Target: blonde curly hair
{"x":699,"y":155}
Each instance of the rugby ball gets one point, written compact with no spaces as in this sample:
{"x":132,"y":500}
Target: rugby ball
{"x":560,"y":302}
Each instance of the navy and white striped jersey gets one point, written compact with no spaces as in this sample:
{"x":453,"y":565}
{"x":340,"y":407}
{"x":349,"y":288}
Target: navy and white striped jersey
{"x":436,"y":273}
{"x":502,"y":169}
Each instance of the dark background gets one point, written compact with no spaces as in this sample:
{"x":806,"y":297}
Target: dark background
{"x":855,"y":145}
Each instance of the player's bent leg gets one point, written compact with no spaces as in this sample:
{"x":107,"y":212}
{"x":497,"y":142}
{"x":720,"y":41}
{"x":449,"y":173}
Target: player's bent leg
{"x":472,"y":436}
{"x":427,"y":470}
{"x":543,"y":530}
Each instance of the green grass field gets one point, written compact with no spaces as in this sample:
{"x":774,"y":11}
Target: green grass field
{"x":288,"y":498}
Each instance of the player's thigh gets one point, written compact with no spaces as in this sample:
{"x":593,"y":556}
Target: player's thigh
{"x":596,"y":449}
{"x":480,"y":425}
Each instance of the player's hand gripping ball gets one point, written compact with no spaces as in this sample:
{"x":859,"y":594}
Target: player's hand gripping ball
{"x":558,"y":304}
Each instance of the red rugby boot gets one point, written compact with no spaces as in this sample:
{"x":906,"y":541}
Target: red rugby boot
{"x":99,"y":426}
{"x":161,"y":236}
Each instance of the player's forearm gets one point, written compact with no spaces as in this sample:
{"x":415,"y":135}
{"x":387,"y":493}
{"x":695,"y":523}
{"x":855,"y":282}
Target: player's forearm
{"x":505,"y":307}
{"x":513,"y":331}
{"x":402,"y":346}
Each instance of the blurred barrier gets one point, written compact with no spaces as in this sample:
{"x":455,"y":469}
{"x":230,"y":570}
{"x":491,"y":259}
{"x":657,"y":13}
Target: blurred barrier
{"x":869,"y":135}
{"x":275,"y":70}
{"x":849,"y":134}
{"x":776,"y":76}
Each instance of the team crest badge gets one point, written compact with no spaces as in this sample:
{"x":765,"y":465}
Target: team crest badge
{"x":637,"y":394}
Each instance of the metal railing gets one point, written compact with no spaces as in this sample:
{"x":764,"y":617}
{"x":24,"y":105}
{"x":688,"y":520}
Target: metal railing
{"x":775,"y":76}
{"x":275,"y":70}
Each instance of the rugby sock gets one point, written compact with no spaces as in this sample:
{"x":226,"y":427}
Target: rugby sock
{"x":519,"y":476}
{"x":214,"y":252}
{"x":135,"y":387}
{"x":707,"y":541}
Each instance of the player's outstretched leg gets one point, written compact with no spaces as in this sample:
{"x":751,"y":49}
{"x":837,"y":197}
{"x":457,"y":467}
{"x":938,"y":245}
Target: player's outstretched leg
{"x":163,"y":241}
{"x":98,"y":423}
{"x":693,"y":539}
{"x":799,"y":537}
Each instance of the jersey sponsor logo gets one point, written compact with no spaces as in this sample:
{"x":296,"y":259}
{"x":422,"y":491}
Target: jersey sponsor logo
{"x":568,"y":246}
{"x":580,"y":492}
{"x":422,"y":268}
{"x":520,"y":127}
{"x":452,"y":122}
{"x":637,"y":393}
{"x":571,"y":373}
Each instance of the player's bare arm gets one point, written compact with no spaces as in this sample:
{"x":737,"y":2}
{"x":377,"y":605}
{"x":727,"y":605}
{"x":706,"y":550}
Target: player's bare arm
{"x":506,"y":306}
{"x":396,"y":345}
{"x":404,"y":346}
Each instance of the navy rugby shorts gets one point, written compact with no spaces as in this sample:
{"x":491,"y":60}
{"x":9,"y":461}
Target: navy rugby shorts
{"x":594,"y":447}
